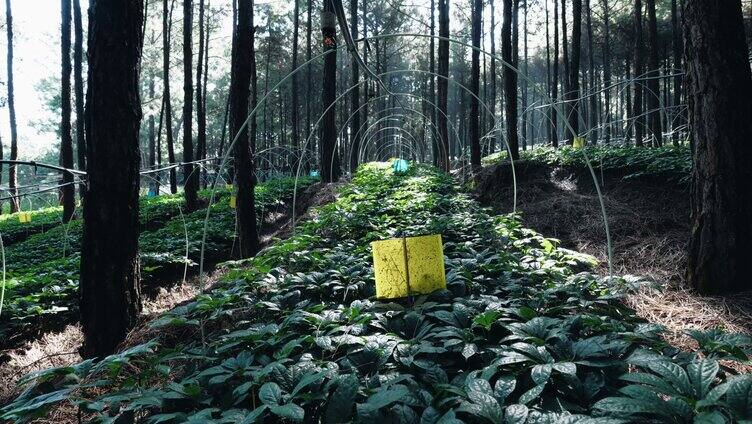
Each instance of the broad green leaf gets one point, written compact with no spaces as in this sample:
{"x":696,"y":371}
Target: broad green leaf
{"x":701,"y":375}
{"x":341,"y":402}
{"x":270,"y":394}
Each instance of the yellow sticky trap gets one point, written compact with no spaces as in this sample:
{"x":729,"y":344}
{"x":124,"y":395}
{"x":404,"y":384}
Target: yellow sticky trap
{"x":409,"y":266}
{"x":228,"y":186}
{"x":578,"y":142}
{"x":24,"y":217}
{"x":233,"y":201}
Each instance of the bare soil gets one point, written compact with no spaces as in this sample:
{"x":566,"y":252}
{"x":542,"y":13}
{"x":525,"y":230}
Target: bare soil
{"x":648,"y":219}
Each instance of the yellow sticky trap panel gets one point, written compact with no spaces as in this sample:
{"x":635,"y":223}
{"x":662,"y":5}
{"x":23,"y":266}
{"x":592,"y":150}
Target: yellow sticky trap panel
{"x":400,"y":273}
{"x":578,"y":143}
{"x":24,"y":217}
{"x":233,"y":201}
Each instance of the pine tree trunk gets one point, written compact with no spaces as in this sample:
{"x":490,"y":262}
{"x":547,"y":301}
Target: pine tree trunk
{"x":638,"y":69}
{"x":190,"y":177}
{"x":328,"y":154}
{"x":200,"y":103}
{"x":309,"y":151}
{"x":653,"y":74}
{"x":492,"y":100}
{"x":166,"y":30}
{"x":720,"y":86}
{"x":294,"y":83}
{"x":151,"y":129}
{"x":573,"y":80}
{"x":443,"y":85}
{"x":474,"y":130}
{"x":68,"y":190}
{"x":12,"y":175}
{"x":592,"y":96}
{"x":355,"y":101}
{"x":110,"y":295}
{"x":78,"y":83}
{"x":676,"y":45}
{"x":606,"y":48}
{"x":510,"y":79}
{"x":241,"y":76}
{"x":556,"y":107}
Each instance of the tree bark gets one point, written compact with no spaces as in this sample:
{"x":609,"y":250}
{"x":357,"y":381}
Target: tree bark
{"x":328,"y":154}
{"x":12,"y":175}
{"x":492,"y":95}
{"x":166,"y":30}
{"x":241,"y":76}
{"x":592,"y":96}
{"x":573,"y":79}
{"x":200,"y":101}
{"x":653,"y":74}
{"x":474,"y":130}
{"x":110,"y":294}
{"x":355,"y":96}
{"x":676,"y":45}
{"x":190,"y":177}
{"x":556,"y":106}
{"x":68,"y":190}
{"x":78,"y":83}
{"x":720,"y":86}
{"x":510,"y":80}
{"x":606,"y":48}
{"x":309,"y":153}
{"x":443,"y":85}
{"x":638,"y":67}
{"x":294,"y":83}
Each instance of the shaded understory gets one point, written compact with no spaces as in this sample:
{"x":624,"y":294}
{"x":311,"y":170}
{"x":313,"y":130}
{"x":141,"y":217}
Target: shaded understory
{"x":523,"y":333}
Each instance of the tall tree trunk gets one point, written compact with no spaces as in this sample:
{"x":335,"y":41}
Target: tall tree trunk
{"x":190,"y":177}
{"x":443,"y":85}
{"x":166,"y":30}
{"x":309,"y":84}
{"x":573,"y":85}
{"x":557,"y":107}
{"x":492,"y":100}
{"x":200,"y":101}
{"x":720,"y":86}
{"x":566,"y":107}
{"x":606,"y":48}
{"x":78,"y":82}
{"x":152,"y":136}
{"x":676,"y":45}
{"x":525,"y":117}
{"x":638,"y":68}
{"x":68,"y":191}
{"x":474,"y":130}
{"x":241,"y":76}
{"x":355,"y":102}
{"x":294,"y":84}
{"x":592,"y":96}
{"x":328,"y":154}
{"x":653,"y":74}
{"x":12,"y":176}
{"x":110,"y":294}
{"x":510,"y":80}
{"x":366,"y":86}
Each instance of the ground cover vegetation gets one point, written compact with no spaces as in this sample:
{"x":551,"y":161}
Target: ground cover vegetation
{"x":523,"y":333}
{"x":670,"y":162}
{"x":42,"y":271}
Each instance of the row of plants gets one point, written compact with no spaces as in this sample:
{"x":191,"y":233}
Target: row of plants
{"x":522,"y":334}
{"x":669,"y":161}
{"x":42,"y":271}
{"x":153,"y":213}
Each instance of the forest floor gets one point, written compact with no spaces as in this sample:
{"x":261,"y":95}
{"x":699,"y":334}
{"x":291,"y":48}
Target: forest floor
{"x":649,"y":224}
{"x":60,"y":348}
